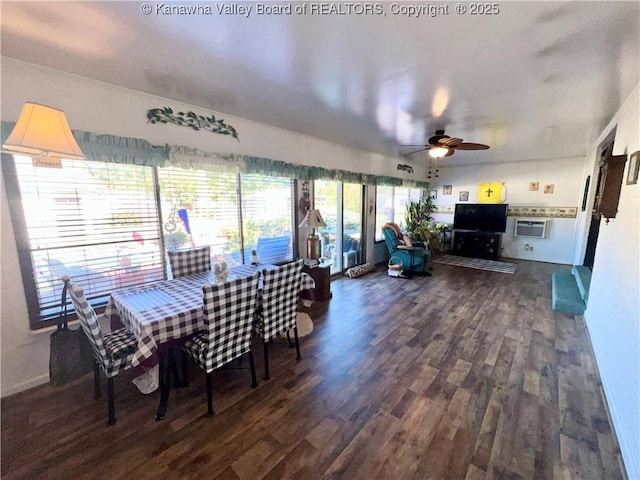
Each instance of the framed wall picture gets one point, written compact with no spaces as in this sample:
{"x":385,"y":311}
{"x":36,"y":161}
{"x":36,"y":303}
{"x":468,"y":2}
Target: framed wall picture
{"x":433,"y":194}
{"x":464,"y":196}
{"x":634,"y":163}
{"x":548,"y":188}
{"x":446,"y":189}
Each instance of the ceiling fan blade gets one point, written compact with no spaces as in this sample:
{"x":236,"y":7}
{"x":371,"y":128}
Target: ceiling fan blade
{"x":471,"y":146}
{"x":415,"y":151}
{"x":450,"y":142}
{"x":450,"y":152}
{"x":418,"y":145}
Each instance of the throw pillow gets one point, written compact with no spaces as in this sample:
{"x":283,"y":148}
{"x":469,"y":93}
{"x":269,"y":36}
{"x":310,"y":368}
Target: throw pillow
{"x":355,"y":272}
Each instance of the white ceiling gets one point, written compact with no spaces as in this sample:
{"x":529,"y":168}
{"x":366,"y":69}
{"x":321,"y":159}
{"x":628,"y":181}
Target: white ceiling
{"x":538,"y":80}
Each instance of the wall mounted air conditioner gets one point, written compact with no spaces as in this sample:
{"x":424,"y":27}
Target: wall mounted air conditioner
{"x":530,"y":228}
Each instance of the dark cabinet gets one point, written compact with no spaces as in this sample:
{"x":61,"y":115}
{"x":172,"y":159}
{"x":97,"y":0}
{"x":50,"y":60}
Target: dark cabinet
{"x":477,"y":244}
{"x":322,"y":276}
{"x":609,"y":184}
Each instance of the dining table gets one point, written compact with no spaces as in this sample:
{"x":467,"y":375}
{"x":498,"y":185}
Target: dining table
{"x":163,"y":315}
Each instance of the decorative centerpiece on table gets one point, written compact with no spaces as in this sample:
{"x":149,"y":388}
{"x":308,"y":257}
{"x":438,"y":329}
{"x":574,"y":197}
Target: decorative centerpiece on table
{"x":221,"y":270}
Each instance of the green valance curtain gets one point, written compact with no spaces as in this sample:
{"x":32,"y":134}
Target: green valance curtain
{"x":195,"y":159}
{"x":112,"y":148}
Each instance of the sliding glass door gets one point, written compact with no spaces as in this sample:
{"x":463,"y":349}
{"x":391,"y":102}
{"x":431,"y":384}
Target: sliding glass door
{"x":341,"y":207}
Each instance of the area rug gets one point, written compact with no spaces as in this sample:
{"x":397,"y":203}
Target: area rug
{"x":305,"y":325}
{"x":477,"y":263}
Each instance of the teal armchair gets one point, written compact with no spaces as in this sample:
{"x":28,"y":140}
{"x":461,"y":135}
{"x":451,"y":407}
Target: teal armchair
{"x":421,"y":262}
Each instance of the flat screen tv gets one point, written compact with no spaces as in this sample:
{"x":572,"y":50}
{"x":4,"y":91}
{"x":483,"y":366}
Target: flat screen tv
{"x":484,"y":217}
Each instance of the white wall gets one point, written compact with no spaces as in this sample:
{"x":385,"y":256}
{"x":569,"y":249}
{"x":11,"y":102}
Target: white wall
{"x":613,"y":311}
{"x":564,"y":174}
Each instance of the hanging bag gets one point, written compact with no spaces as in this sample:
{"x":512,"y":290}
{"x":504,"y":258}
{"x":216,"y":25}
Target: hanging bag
{"x":70,"y":356}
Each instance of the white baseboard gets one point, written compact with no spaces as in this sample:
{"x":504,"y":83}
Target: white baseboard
{"x":20,"y":387}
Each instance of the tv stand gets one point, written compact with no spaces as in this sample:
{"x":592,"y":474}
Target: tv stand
{"x":477,"y":244}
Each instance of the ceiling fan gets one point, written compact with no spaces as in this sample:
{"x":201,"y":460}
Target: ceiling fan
{"x":441,"y":145}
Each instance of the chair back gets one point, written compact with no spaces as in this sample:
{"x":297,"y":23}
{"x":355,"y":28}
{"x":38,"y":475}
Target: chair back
{"x":228,"y":313}
{"x":88,"y":320}
{"x":190,"y":262}
{"x":390,"y":238}
{"x":280,"y":290}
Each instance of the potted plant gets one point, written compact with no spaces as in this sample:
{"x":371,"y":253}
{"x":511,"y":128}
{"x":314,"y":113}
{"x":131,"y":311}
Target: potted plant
{"x":417,"y":216}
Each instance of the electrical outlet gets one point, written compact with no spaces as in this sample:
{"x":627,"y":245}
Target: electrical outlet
{"x":531,"y":248}
{"x":526,"y":247}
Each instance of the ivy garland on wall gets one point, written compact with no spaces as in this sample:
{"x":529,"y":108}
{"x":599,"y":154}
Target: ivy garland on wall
{"x":191,"y":120}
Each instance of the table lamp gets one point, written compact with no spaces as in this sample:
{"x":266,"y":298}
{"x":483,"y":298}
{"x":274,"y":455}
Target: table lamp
{"x":43,"y":133}
{"x":313,"y":220}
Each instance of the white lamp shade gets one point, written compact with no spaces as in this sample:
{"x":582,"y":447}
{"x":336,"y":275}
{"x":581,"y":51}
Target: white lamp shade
{"x":43,"y":131}
{"x":313,"y":219}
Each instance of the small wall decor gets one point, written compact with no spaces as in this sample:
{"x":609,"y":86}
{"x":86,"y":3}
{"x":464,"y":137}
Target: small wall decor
{"x":406,"y":168}
{"x":534,"y":186}
{"x":305,"y":200}
{"x":433,"y":194}
{"x":634,"y":165}
{"x":191,"y":120}
{"x":548,"y":188}
{"x":490,"y":192}
{"x":446,"y":189}
{"x":464,"y":196}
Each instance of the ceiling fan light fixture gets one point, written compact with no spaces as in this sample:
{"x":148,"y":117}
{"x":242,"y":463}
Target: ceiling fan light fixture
{"x":438,"y":152}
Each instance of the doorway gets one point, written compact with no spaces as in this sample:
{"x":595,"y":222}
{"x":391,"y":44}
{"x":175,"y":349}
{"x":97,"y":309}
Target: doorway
{"x":341,"y":207}
{"x":594,"y":227}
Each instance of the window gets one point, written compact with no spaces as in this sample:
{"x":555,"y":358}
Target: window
{"x":267,"y":218}
{"x":200,"y":208}
{"x":109,"y":225}
{"x":341,"y":208}
{"x":96,"y":222}
{"x":391,"y":204}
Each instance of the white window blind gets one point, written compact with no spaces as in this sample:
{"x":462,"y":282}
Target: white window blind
{"x":210,"y":201}
{"x":267,"y":218}
{"x":96,"y":222}
{"x":105,"y":224}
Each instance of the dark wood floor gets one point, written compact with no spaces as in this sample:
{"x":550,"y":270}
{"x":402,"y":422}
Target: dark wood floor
{"x":463,"y":375}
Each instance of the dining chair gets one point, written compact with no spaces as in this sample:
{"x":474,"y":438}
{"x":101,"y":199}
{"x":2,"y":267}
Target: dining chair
{"x":228,"y":315}
{"x":190,"y":262}
{"x":112,"y":352}
{"x":277,"y":311}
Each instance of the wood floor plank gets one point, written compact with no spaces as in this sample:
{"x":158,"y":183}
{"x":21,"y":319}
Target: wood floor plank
{"x":462,"y":375}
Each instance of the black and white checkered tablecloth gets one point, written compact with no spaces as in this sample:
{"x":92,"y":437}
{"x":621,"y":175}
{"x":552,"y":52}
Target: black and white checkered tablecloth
{"x":170,"y":309}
